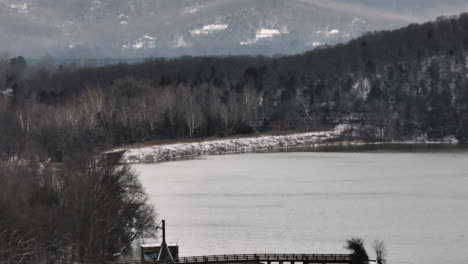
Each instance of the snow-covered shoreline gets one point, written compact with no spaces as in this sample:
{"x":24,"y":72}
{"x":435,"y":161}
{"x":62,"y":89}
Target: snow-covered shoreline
{"x":167,"y":152}
{"x":178,"y":151}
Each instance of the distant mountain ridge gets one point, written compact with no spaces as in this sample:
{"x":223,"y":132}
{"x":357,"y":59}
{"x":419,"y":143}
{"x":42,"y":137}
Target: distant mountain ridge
{"x":106,"y":28}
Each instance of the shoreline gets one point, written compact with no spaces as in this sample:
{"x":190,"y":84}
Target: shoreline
{"x":262,"y":143}
{"x":179,"y":151}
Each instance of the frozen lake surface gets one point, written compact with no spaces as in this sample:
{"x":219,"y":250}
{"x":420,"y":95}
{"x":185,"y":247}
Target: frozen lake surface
{"x":311,"y":202}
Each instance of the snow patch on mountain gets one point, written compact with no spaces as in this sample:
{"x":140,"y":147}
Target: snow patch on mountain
{"x":122,"y":16}
{"x":358,"y":20}
{"x":21,"y":8}
{"x":209,"y":29}
{"x":181,"y":43}
{"x":268,"y":33}
{"x":96,"y":6}
{"x":190,"y":10}
{"x":145,"y":42}
{"x":333,"y":32}
{"x":265,"y":33}
{"x":316,"y":44}
{"x":328,"y":33}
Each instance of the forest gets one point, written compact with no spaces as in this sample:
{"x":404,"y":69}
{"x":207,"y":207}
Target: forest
{"x":406,"y":84}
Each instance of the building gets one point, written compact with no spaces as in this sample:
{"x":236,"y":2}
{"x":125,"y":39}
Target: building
{"x":150,"y":252}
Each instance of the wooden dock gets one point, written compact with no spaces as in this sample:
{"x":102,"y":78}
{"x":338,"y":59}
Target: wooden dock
{"x":254,"y":258}
{"x":165,"y":254}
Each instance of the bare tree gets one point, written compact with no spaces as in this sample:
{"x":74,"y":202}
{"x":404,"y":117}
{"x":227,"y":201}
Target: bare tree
{"x":380,"y":252}
{"x":304,"y":103}
{"x":152,"y":111}
{"x":250,"y":102}
{"x":92,"y":105}
{"x":169,"y":104}
{"x":24,"y":113}
{"x":193,"y":115}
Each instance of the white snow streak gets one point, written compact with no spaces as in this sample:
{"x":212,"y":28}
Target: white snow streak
{"x":7,"y":92}
{"x":190,"y":10}
{"x":222,"y":146}
{"x":147,"y":42}
{"x":209,"y":29}
{"x":316,"y":44}
{"x":20,"y":8}
{"x":265,"y":33}
{"x":181,"y":43}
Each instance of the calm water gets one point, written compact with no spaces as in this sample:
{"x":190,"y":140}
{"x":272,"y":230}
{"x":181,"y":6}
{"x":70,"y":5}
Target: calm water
{"x":311,"y":202}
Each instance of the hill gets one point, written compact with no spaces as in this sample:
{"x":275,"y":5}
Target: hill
{"x":401,"y":85}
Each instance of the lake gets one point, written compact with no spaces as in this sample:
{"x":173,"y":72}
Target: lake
{"x":415,"y":200}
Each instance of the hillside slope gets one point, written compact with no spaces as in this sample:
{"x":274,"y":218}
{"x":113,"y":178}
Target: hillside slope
{"x":129,"y":28}
{"x":395,"y":85}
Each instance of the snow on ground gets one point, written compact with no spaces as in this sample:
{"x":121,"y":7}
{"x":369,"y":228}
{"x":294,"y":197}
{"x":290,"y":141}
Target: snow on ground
{"x":333,"y":32}
{"x":265,"y":33}
{"x":20,"y":8}
{"x":181,"y":43}
{"x":223,"y":146}
{"x":7,"y":92}
{"x":316,"y":44}
{"x":209,"y":29}
{"x":146,"y":41}
{"x":166,"y":152}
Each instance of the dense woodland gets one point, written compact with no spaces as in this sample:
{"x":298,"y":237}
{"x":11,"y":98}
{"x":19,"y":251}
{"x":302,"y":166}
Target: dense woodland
{"x":399,"y":85}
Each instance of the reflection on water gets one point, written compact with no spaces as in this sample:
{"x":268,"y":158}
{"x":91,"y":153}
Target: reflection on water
{"x":413,"y":198}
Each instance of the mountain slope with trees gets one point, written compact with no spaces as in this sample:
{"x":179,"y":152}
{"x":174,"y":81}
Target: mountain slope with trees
{"x":391,"y":85}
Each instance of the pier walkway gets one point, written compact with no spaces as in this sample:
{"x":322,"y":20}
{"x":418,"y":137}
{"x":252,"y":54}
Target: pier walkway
{"x":254,"y":258}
